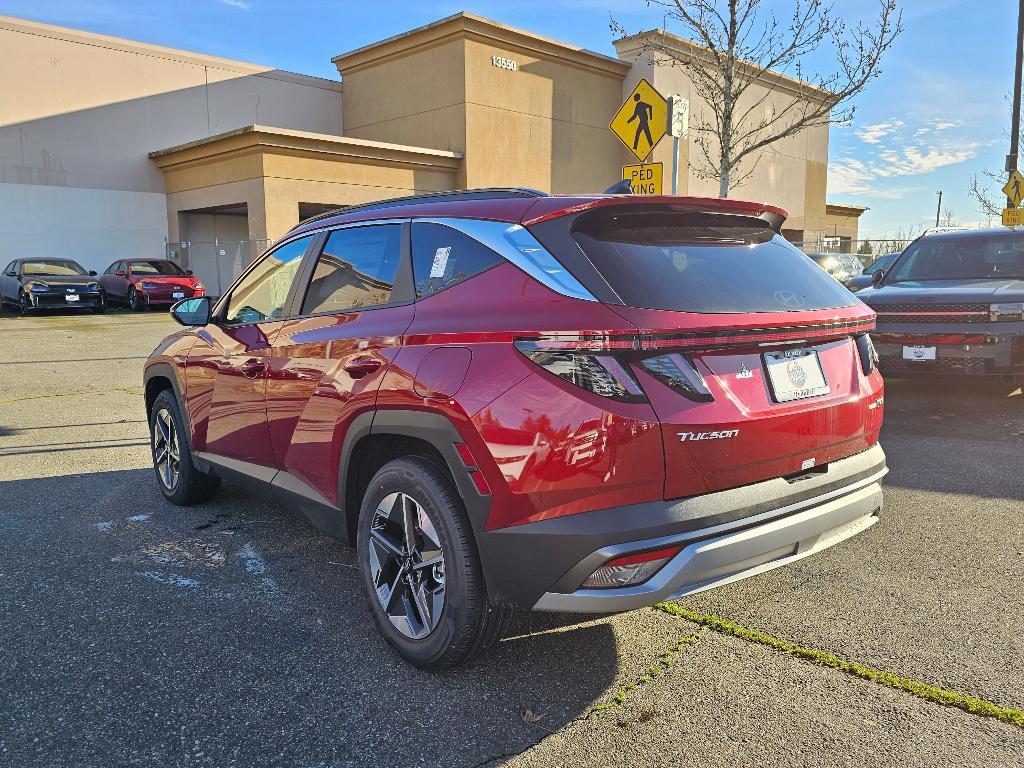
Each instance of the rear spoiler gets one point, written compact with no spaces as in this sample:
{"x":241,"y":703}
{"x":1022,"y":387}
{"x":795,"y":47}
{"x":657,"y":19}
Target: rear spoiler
{"x":547,"y":208}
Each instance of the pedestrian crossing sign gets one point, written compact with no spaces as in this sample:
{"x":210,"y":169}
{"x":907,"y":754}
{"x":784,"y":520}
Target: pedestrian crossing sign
{"x":1014,"y":188}
{"x":642,"y":120}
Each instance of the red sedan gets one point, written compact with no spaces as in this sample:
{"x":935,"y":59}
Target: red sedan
{"x":142,"y":282}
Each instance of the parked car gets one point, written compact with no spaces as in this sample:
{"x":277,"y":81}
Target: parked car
{"x":33,"y":284}
{"x":506,"y":399}
{"x":863,"y":280}
{"x":842,"y":266}
{"x":140,"y":283}
{"x":953,"y":303}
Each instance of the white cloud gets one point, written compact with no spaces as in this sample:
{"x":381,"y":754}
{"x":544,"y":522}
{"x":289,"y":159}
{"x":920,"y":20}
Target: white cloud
{"x":895,"y":151}
{"x":873,"y":134}
{"x":244,"y":5}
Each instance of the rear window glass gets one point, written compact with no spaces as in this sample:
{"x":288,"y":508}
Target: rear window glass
{"x":692,"y":262}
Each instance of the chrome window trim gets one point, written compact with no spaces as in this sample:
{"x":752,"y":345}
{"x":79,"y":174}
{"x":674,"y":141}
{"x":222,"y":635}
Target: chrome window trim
{"x":515,"y":244}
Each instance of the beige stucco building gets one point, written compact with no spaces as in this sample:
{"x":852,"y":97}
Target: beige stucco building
{"x":111,"y":148}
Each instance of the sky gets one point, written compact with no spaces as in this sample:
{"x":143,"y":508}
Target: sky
{"x":937,"y":115}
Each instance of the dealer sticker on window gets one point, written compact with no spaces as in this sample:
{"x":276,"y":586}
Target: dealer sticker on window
{"x":440,"y":261}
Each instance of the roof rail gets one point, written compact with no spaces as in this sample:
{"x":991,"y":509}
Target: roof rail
{"x":489,"y":193}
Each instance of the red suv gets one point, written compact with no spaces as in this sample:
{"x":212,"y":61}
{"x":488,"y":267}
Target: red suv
{"x":508,"y":399}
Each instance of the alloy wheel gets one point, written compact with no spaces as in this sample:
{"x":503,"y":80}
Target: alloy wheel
{"x":166,"y":453}
{"x":133,"y":299}
{"x":407,"y":565}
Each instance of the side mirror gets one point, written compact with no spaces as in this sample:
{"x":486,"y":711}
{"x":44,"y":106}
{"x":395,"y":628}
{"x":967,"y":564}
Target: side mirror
{"x":877,"y":276}
{"x":120,"y":273}
{"x":192,"y":312}
{"x":92,"y":273}
{"x":188,"y":271}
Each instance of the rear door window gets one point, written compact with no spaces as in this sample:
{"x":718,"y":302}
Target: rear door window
{"x":443,"y":257}
{"x":356,"y":270}
{"x":697,"y":262}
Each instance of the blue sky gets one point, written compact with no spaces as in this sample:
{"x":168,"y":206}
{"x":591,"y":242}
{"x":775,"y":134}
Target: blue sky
{"x":937,"y":115}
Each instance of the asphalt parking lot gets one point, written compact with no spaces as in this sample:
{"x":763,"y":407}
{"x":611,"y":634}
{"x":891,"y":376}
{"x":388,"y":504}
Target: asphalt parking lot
{"x":136,"y":633}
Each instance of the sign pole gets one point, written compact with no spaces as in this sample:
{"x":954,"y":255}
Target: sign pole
{"x":675,"y":166}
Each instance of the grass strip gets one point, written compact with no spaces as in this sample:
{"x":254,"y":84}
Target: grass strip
{"x":656,"y":670}
{"x":933,"y":693}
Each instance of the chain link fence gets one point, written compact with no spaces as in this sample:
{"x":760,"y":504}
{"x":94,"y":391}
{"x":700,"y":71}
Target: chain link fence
{"x":217,"y":264}
{"x":865,"y":250}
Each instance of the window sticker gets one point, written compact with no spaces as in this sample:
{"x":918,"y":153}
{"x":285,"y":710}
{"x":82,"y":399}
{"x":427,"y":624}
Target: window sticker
{"x":440,"y":261}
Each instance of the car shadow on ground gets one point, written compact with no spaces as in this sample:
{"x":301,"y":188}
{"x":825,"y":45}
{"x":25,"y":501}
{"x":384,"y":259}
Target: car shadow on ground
{"x":137,"y":630}
{"x":956,"y":435}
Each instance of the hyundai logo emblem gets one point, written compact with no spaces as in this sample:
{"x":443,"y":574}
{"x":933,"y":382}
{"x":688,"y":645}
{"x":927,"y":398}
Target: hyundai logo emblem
{"x":70,"y":290}
{"x":789,"y":299}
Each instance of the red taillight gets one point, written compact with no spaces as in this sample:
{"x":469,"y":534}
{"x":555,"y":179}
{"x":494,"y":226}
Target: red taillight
{"x":602,"y":373}
{"x":474,"y":471}
{"x":630,"y":570}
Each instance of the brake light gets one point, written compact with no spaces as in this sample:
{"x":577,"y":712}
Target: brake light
{"x":677,"y":372}
{"x":868,"y":353}
{"x":630,"y":570}
{"x":602,"y":373}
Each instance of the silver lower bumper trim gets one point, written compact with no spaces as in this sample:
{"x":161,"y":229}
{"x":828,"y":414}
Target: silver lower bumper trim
{"x":720,"y":559}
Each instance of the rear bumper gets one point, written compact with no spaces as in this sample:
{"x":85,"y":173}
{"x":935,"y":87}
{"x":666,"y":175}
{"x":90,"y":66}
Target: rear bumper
{"x":725,"y":536}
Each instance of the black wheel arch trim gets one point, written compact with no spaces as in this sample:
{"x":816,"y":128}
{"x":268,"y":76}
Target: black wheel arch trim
{"x":167,"y":371}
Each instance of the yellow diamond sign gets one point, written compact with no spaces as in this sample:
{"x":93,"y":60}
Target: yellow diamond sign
{"x":642,"y":120}
{"x":1014,"y":188}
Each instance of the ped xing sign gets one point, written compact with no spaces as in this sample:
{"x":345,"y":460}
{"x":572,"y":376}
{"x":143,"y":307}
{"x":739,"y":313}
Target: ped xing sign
{"x":644,"y":179}
{"x":1013,"y":217}
{"x":1014,"y":190}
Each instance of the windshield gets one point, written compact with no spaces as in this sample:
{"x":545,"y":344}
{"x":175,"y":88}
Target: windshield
{"x":52,"y":268}
{"x":154,"y":268}
{"x":999,"y":256}
{"x":696,"y":262}
{"x":882,"y":262}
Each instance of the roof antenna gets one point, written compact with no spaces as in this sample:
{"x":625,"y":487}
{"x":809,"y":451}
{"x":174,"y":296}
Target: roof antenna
{"x":620,"y":188}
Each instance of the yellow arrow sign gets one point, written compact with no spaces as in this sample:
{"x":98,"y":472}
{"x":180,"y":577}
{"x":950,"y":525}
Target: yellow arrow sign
{"x":1014,"y":188}
{"x":642,"y":120}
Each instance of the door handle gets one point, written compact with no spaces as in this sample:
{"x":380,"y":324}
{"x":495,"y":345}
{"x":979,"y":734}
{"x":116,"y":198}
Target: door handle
{"x":253,"y":367}
{"x":362,"y":366}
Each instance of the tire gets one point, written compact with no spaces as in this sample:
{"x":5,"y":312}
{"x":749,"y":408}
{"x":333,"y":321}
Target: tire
{"x":24,"y":306}
{"x":133,"y":300}
{"x":180,"y":480}
{"x":466,"y":624}
{"x":100,"y":309}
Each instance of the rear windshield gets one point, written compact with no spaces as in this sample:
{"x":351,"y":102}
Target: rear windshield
{"x":1000,"y":256}
{"x":154,"y":268}
{"x":695,"y":262}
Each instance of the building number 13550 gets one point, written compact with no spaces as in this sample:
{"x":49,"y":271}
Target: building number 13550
{"x":503,"y":63}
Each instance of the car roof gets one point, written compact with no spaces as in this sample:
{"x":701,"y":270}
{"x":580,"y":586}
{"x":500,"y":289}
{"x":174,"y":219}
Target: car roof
{"x":524,"y":206}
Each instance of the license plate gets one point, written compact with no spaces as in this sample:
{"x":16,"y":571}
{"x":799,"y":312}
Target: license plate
{"x":918,"y":353}
{"x":795,"y":374}
{"x":72,"y":297}
{"x":178,"y":295}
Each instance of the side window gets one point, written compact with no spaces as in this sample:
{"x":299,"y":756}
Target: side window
{"x":356,"y":269}
{"x":443,"y":257}
{"x":262,"y":294}
{"x":9,"y":269}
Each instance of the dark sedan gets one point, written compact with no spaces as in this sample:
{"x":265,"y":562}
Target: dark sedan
{"x":31,"y":284}
{"x":864,"y":279}
{"x":953,"y":303}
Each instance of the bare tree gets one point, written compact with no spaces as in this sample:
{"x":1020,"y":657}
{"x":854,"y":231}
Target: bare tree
{"x":745,"y":44}
{"x":949,"y":219}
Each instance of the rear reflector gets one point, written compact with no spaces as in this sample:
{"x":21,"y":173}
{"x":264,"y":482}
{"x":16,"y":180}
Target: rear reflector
{"x":630,"y":570}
